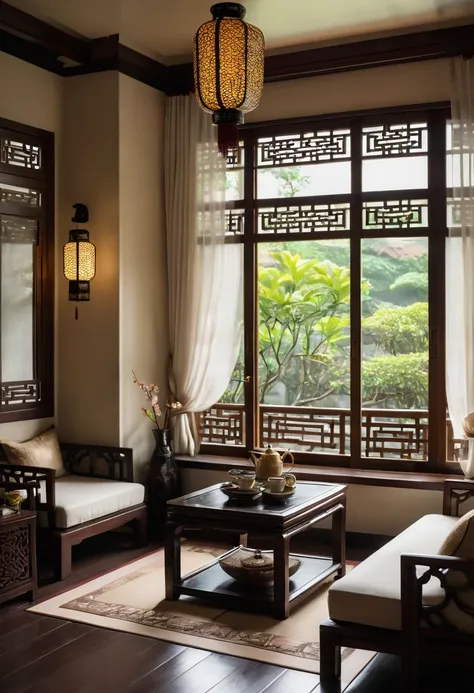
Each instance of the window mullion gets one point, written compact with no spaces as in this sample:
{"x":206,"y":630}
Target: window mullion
{"x":436,"y":289}
{"x":250,"y":298}
{"x":355,"y":297}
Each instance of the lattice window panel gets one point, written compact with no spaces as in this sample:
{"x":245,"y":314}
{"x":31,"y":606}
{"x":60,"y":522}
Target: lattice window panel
{"x":400,"y":439}
{"x":307,"y":148}
{"x":457,"y":214}
{"x":234,"y":222}
{"x":458,"y":135}
{"x":20,"y":154}
{"x":395,"y":214}
{"x":235,"y":157}
{"x":18,"y":230}
{"x":305,"y":428}
{"x":304,"y":219}
{"x":24,"y":393}
{"x":408,"y":139}
{"x":223,"y":424}
{"x":20,"y":196}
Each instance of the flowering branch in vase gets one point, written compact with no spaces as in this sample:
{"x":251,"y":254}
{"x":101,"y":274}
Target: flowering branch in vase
{"x":154,"y":413}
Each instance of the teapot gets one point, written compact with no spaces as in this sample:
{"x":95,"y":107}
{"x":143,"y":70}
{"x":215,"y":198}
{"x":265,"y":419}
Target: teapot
{"x":270,"y":463}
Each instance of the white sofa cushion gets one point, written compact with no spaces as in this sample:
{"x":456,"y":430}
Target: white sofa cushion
{"x":370,"y":593}
{"x":82,"y":498}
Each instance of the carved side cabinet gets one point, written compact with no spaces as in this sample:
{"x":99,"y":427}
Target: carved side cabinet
{"x":18,"y":555}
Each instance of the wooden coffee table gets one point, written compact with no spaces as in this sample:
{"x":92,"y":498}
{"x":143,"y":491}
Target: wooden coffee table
{"x":210,"y":509}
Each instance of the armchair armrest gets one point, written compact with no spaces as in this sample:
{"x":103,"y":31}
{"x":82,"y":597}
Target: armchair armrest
{"x":22,"y":477}
{"x":455,"y":493}
{"x":415,"y":614}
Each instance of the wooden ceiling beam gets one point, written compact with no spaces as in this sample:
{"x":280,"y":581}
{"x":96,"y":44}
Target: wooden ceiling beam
{"x":391,"y":50}
{"x":55,"y":41}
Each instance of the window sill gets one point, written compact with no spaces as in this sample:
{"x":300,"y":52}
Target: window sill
{"x":363,"y":477}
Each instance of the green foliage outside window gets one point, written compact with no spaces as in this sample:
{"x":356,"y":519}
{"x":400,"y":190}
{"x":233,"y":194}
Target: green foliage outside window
{"x":304,"y":320}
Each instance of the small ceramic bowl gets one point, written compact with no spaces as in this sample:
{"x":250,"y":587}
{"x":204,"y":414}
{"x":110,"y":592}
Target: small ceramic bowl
{"x":12,"y":499}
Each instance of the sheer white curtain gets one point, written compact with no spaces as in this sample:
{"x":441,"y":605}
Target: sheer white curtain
{"x":204,"y":271}
{"x":460,"y":256}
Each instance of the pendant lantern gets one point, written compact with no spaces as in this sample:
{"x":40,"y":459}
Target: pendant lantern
{"x":228,"y":70}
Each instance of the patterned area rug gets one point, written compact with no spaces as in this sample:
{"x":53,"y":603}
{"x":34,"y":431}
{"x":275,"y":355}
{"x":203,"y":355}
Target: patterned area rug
{"x":132,"y":599}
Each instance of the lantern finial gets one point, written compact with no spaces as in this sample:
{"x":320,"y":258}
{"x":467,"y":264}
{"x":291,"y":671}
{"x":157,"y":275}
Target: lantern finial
{"x":228,"y":9}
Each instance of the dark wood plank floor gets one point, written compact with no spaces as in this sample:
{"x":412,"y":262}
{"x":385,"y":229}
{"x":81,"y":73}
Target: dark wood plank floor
{"x":39,"y":654}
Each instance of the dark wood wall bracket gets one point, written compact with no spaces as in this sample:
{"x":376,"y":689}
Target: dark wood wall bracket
{"x":41,"y":44}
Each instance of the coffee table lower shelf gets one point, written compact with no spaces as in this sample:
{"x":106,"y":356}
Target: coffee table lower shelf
{"x":211,"y":584}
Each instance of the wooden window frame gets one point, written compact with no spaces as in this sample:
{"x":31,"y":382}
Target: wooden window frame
{"x":436,"y":115}
{"x":42,"y":180}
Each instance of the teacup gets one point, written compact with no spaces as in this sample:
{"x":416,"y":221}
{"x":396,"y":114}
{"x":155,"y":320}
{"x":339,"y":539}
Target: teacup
{"x":245,"y":480}
{"x":290,"y":480}
{"x":276,"y":484}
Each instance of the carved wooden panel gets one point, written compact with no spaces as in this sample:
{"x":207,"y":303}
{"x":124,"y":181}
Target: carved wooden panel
{"x":407,"y":139}
{"x":14,"y":556}
{"x":304,"y":219}
{"x":20,"y":155}
{"x":306,"y":148}
{"x":98,"y":461}
{"x":457,"y":604}
{"x":20,"y":393}
{"x":223,"y":424}
{"x":395,"y":214}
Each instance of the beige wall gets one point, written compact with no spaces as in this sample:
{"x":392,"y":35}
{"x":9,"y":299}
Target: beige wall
{"x":33,"y":97}
{"x":88,"y":348}
{"x":397,"y":85}
{"x":143,"y":280}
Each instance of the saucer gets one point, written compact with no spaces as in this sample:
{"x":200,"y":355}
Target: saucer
{"x":233,"y":491}
{"x":281,"y":495}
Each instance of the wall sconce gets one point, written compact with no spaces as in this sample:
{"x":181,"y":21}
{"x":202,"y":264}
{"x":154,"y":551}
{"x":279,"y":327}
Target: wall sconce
{"x":79,"y":258}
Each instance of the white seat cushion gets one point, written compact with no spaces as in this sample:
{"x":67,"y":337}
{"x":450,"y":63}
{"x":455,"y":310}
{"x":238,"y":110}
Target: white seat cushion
{"x":370,"y":593}
{"x":82,"y":498}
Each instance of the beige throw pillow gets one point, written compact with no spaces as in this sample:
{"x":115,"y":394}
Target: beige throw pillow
{"x":41,"y":451}
{"x":460,"y":542}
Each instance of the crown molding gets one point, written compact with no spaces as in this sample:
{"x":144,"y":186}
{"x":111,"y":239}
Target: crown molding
{"x":42,"y":34}
{"x":35,"y":41}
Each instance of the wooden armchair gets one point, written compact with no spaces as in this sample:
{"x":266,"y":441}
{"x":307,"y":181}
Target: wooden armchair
{"x":425,"y":629}
{"x":386,"y":604}
{"x":98,"y":494}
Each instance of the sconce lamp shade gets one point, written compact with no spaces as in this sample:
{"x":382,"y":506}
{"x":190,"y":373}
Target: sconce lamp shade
{"x":228,"y":62}
{"x":79,"y":264}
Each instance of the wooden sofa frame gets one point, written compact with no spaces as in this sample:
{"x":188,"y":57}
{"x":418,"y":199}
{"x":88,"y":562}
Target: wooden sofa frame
{"x":424,"y":632}
{"x":96,"y":461}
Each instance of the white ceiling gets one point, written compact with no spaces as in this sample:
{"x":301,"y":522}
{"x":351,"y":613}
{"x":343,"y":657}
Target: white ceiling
{"x":164,"y":29}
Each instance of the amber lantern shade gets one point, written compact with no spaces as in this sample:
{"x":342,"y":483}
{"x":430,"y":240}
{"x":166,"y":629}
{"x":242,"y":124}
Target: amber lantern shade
{"x":228,"y":62}
{"x":79,"y":259}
